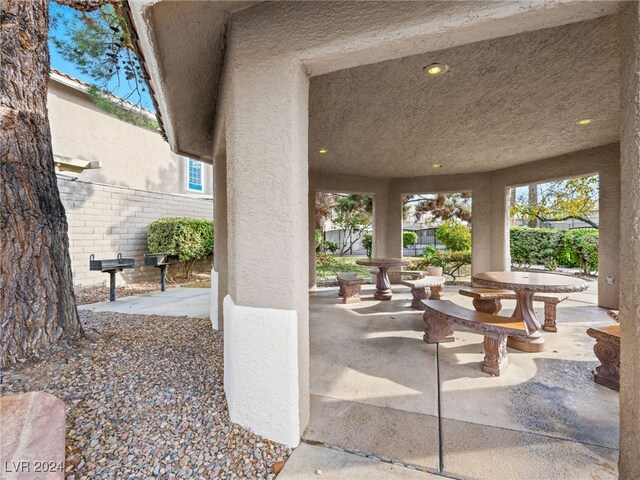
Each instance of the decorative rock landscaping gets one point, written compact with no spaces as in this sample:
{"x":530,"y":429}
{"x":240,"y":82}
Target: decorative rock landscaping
{"x":144,"y":398}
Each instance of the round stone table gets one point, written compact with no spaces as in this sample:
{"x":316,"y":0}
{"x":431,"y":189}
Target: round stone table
{"x":526,"y":285}
{"x":383,"y":286}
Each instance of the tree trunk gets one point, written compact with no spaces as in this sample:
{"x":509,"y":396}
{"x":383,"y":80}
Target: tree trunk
{"x":37,"y":303}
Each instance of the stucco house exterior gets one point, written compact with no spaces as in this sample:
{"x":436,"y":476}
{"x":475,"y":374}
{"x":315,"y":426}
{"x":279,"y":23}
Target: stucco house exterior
{"x":138,"y":180}
{"x":286,"y":99}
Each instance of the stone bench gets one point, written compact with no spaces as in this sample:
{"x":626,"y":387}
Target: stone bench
{"x":440,"y":315}
{"x":350,"y":285}
{"x":423,"y":289}
{"x":396,"y":276}
{"x":487,"y":300}
{"x":607,"y":349}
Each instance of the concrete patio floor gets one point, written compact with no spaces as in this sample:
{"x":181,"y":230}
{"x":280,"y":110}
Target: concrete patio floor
{"x":374,"y":390}
{"x":181,"y":301}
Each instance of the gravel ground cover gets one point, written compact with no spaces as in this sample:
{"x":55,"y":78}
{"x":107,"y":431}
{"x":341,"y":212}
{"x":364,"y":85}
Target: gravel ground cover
{"x":144,"y":399}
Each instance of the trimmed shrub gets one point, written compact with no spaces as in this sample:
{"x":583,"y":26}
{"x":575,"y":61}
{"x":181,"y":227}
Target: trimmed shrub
{"x":580,"y":249}
{"x":535,"y":246}
{"x":455,"y":236}
{"x":550,"y":247}
{"x":409,"y":239}
{"x":367,"y":242}
{"x":190,"y":238}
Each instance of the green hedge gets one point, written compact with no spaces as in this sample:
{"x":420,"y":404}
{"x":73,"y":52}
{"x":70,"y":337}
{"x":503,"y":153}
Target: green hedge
{"x":191,"y":238}
{"x":454,"y":235}
{"x":409,"y":239}
{"x":552,"y":248}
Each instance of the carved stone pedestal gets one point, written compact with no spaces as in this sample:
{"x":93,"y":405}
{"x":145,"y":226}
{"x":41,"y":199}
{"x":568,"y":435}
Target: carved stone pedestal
{"x":437,"y":329}
{"x":351,"y":293}
{"x":607,"y":349}
{"x":492,"y":306}
{"x":495,"y":353}
{"x":436,"y":292}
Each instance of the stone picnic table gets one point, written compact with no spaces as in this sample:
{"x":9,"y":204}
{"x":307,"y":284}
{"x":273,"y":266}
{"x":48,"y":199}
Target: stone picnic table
{"x":526,"y":285}
{"x":383,"y":286}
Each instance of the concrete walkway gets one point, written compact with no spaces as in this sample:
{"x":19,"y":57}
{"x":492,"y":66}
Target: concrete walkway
{"x":179,"y":302}
{"x":308,"y":462}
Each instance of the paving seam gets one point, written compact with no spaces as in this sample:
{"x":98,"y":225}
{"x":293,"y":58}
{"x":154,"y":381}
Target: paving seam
{"x":363,"y":454}
{"x":526,"y":432}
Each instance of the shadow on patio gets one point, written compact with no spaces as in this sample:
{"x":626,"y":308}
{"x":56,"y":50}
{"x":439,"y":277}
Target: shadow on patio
{"x":374,"y":390}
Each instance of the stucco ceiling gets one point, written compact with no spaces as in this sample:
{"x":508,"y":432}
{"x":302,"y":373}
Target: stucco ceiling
{"x":506,"y":101}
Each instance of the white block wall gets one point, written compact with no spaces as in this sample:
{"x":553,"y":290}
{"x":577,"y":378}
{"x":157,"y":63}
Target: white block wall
{"x":107,"y":219}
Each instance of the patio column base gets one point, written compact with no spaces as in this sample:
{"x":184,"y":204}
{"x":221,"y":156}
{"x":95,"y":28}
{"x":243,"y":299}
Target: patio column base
{"x":261,"y":370}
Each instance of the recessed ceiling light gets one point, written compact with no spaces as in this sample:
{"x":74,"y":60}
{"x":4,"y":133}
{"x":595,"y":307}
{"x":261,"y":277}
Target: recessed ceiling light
{"x":437,"y":165}
{"x":323,"y":150}
{"x":584,"y":121}
{"x":436,"y":69}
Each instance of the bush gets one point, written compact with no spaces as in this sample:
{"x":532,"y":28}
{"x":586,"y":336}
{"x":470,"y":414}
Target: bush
{"x":580,"y":249}
{"x":550,"y":247}
{"x":452,"y":263}
{"x":367,"y":242}
{"x":319,"y":239}
{"x":328,"y":246}
{"x":409,"y":239}
{"x":455,"y":236}
{"x":190,"y":238}
{"x":535,"y":246}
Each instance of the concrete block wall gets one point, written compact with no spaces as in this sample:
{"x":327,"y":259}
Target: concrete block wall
{"x":108,"y":219}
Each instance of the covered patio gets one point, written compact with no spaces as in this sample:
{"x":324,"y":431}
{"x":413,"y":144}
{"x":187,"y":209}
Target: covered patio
{"x":288,"y":99}
{"x":373,"y":387}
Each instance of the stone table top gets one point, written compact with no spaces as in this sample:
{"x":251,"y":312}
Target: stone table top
{"x":428,"y":281}
{"x":381,"y":262}
{"x":531,"y":281}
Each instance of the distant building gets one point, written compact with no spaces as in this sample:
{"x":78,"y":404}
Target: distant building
{"x":133,"y":178}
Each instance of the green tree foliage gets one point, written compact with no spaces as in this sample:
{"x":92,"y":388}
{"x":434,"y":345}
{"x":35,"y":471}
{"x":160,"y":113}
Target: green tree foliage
{"x":454,"y":264}
{"x":409,"y":239}
{"x":576,"y":198}
{"x":444,"y":206}
{"x":100,"y":45}
{"x":354,"y":214}
{"x":455,"y":236}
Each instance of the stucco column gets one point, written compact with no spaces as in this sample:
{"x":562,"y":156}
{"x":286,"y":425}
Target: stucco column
{"x":609,"y":238}
{"x":394,"y":222}
{"x":267,"y":309}
{"x":500,"y":248}
{"x":312,"y":233}
{"x":629,"y":466}
{"x":481,"y":225}
{"x":381,"y":222}
{"x":219,"y":277}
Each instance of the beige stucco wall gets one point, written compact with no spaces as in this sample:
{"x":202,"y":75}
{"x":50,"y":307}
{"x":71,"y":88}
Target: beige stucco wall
{"x":106,"y":220}
{"x":131,"y":156}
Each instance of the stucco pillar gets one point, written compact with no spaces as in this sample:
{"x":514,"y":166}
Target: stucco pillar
{"x":481,"y":225}
{"x":500,"y":248}
{"x":629,"y":465}
{"x":381,"y":223}
{"x":266,"y":374}
{"x":609,"y":238}
{"x":312,"y":234}
{"x":394,"y":222}
{"x":219,"y":277}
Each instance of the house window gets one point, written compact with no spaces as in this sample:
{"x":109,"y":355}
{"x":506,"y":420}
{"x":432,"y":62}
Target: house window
{"x":195,"y":175}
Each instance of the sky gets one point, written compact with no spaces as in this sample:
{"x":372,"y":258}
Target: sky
{"x":58,"y":62}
